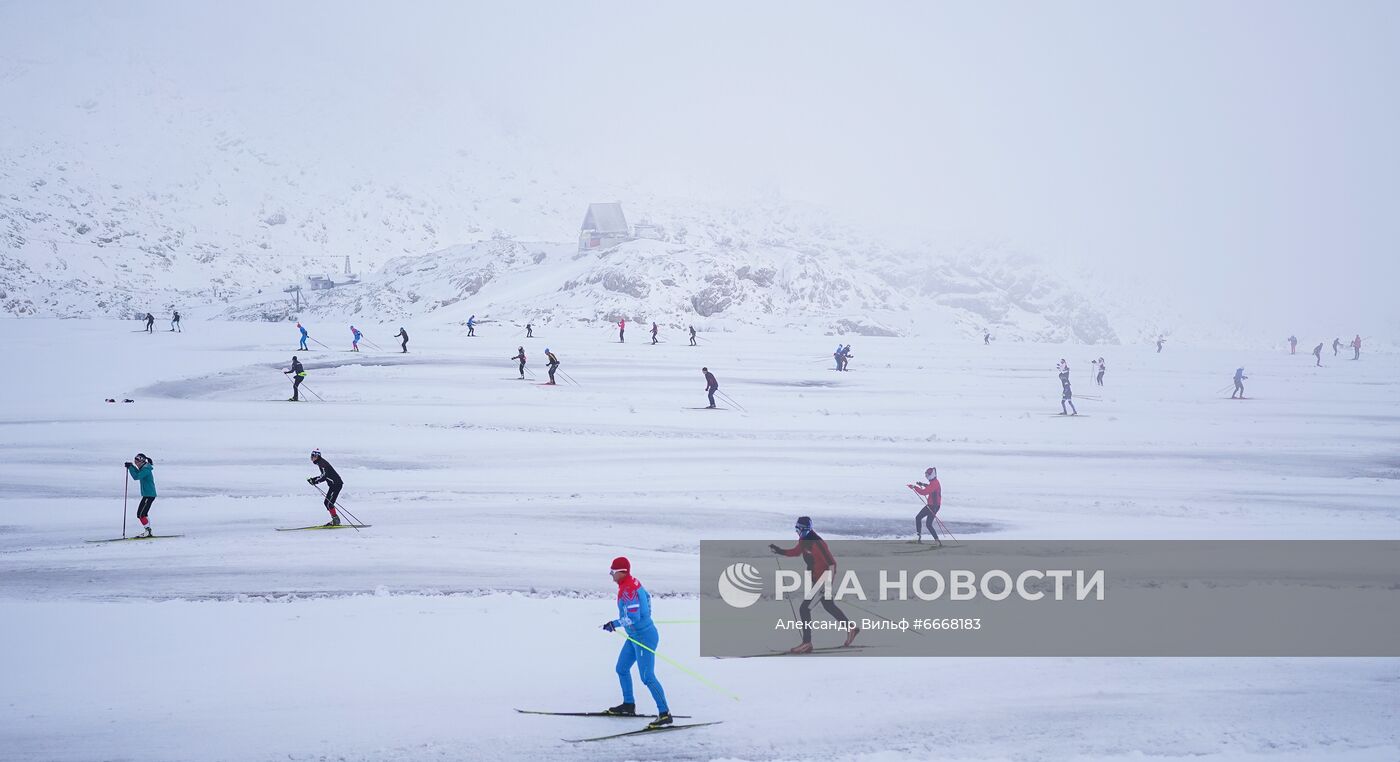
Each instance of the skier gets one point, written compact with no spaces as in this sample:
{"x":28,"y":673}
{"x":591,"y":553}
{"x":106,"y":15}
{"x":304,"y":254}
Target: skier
{"x":711,"y":386}
{"x":1239,"y":383}
{"x":1099,"y":366}
{"x":1067,"y":397}
{"x":653,"y":332}
{"x":355,"y":337}
{"x":142,"y":470}
{"x":302,"y":328}
{"x":622,"y":330}
{"x":552,"y":362}
{"x":298,"y":374}
{"x":403,"y":347}
{"x":150,"y":321}
{"x":1317,"y":352}
{"x":333,"y":485}
{"x":634,"y":617}
{"x":692,"y":336}
{"x":1292,"y":345}
{"x":1336,"y":344}
{"x":529,"y":331}
{"x":1356,"y":347}
{"x":846,"y":357}
{"x":471,"y":325}
{"x":175,"y":323}
{"x":819,"y":562}
{"x":932,"y":491}
{"x":986,"y":338}
{"x":1160,"y":341}
{"x":837,"y":355}
{"x":520,"y":355}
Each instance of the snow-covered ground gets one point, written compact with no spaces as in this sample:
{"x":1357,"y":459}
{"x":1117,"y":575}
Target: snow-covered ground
{"x":497,"y":504}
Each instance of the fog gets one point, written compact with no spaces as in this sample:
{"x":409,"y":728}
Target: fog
{"x":1239,"y":156}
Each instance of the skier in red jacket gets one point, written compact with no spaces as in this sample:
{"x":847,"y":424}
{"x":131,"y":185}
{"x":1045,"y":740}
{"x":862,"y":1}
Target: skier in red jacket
{"x":819,"y":561}
{"x":932,"y":492}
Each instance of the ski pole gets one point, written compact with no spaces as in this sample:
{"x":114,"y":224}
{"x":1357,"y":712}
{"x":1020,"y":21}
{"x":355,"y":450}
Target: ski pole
{"x":945,"y":528}
{"x":678,"y":665}
{"x":309,"y":389}
{"x":731,"y":401}
{"x":791,"y":607}
{"x":569,"y":378}
{"x":126,"y":491}
{"x":353,"y":519}
{"x":318,"y":342}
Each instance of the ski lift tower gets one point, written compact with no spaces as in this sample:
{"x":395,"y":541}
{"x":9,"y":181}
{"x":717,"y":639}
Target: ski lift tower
{"x":297,"y":302}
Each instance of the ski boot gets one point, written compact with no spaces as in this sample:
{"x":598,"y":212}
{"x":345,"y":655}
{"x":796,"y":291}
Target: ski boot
{"x":334,"y":522}
{"x":801,"y":648}
{"x":661,"y":721}
{"x":625,"y":709}
{"x":851,"y":637}
{"x":145,"y":534}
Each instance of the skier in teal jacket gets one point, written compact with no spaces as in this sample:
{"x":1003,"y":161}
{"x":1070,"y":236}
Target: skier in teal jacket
{"x":143,"y":471}
{"x":634,"y":618}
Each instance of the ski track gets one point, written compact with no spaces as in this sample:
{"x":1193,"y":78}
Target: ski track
{"x":495,"y":509}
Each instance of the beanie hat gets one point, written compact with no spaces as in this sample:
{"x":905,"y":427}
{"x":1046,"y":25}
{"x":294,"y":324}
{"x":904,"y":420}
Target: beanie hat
{"x":622,"y":564}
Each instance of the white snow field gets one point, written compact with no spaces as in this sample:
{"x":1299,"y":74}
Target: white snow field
{"x":498,"y":504}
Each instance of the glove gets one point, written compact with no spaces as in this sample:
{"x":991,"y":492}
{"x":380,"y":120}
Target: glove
{"x":609,"y":626}
{"x":128,"y":465}
{"x":311,"y":480}
{"x":774,"y":548}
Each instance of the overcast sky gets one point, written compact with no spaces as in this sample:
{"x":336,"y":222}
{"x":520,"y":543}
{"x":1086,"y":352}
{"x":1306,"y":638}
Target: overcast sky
{"x":1240,"y":154}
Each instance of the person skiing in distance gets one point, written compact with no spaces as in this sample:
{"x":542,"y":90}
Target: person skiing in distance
{"x":1292,"y":345}
{"x":634,"y":617}
{"x":520,"y":355}
{"x":298,"y":375}
{"x":302,"y":328}
{"x":142,"y":470}
{"x":1100,"y":367}
{"x":150,"y":322}
{"x":622,"y":330}
{"x":837,"y":356}
{"x":1239,"y":383}
{"x":692,"y":336}
{"x":1067,"y":395}
{"x":711,"y":386}
{"x":846,"y":357}
{"x":1317,"y":352}
{"x":986,"y":338}
{"x":932,"y":492}
{"x":553,"y":364}
{"x":355,"y":337}
{"x":653,"y":332}
{"x":175,"y":323}
{"x":1336,"y":344}
{"x":529,"y":331}
{"x":403,"y":347}
{"x":1356,"y":347}
{"x":333,"y":485}
{"x":820,"y":562}
{"x":471,"y":325}
{"x":1160,"y":341}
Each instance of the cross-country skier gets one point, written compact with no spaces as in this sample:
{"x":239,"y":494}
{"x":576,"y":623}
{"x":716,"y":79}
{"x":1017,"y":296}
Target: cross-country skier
{"x":1067,"y":396}
{"x":333,"y":485}
{"x":142,"y":470}
{"x":150,"y":321}
{"x":471,"y":325}
{"x":819,"y":562}
{"x":1160,"y":341}
{"x":653,"y":332}
{"x":552,"y":362}
{"x":355,"y":337}
{"x":1336,"y":345}
{"x":302,"y":328}
{"x":1356,"y":347}
{"x":711,"y":386}
{"x":837,"y":356}
{"x":403,"y":347}
{"x":175,"y":323}
{"x":1239,"y":383}
{"x":520,"y":355}
{"x":622,"y":330}
{"x":298,"y":375}
{"x":692,"y":336}
{"x":1099,"y":368}
{"x":529,"y":331}
{"x":634,"y":617}
{"x":986,"y":338}
{"x":932,"y":492}
{"x":1317,"y":352}
{"x":846,"y":357}
{"x":1292,"y":345}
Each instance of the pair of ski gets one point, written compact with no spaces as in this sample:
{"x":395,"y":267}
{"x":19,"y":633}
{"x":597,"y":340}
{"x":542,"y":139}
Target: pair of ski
{"x":643,"y":731}
{"x":139,"y":537}
{"x":323,"y":526}
{"x":814,"y":651}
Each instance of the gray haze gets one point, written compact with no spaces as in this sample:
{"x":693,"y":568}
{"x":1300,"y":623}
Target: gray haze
{"x":1239,"y":156}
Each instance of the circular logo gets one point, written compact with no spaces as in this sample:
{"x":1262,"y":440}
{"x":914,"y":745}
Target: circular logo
{"x":740,"y":585}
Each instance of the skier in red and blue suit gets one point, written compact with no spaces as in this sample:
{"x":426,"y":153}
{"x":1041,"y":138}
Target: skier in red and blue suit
{"x":634,"y":616}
